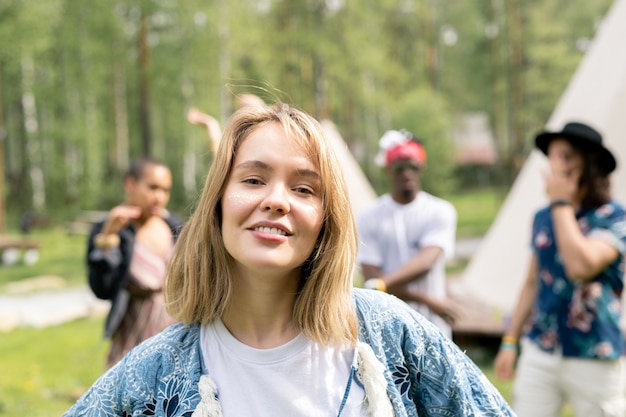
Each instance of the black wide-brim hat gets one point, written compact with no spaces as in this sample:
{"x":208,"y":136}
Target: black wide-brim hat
{"x":583,"y":137}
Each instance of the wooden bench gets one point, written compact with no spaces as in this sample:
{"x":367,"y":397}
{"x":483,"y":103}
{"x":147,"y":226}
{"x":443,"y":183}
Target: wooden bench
{"x":12,"y":249}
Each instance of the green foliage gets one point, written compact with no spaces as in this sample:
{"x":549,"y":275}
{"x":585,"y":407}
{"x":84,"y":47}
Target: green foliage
{"x":553,"y":50}
{"x":426,"y":114}
{"x":368,"y":65}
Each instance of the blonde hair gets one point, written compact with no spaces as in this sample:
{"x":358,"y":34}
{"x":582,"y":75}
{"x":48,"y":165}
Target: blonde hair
{"x":200,"y":272}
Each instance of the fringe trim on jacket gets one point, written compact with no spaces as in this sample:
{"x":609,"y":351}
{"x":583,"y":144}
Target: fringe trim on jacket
{"x":370,"y":372}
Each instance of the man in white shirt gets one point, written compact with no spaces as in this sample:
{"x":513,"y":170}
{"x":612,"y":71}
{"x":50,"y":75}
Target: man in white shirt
{"x":407,"y":234}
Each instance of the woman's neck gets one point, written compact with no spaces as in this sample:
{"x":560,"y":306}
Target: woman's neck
{"x":260,"y":313}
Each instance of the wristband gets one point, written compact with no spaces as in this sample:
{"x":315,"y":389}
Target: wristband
{"x":108,"y":241}
{"x":509,"y":343}
{"x":508,"y":346}
{"x":510,"y":339}
{"x":375,"y":284}
{"x":560,"y":202}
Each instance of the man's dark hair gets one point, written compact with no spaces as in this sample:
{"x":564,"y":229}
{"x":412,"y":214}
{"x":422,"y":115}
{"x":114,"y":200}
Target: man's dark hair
{"x":138,"y":167}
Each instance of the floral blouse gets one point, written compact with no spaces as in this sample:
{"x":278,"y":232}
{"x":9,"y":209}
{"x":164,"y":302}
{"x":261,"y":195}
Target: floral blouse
{"x":580,"y":318}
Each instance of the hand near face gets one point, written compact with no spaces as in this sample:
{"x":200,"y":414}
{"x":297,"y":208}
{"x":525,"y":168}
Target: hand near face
{"x":119,"y":217}
{"x":565,"y":169}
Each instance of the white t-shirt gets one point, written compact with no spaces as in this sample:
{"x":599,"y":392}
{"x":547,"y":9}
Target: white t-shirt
{"x":298,"y":379}
{"x":390,"y":234}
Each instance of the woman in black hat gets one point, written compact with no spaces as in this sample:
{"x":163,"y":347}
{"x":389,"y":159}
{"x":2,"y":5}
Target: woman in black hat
{"x":573,"y":348}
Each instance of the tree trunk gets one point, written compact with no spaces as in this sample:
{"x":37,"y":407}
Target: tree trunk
{"x":144,"y":86}
{"x":3,"y":222}
{"x":431,"y":59}
{"x":224,"y":58}
{"x":319,"y":81}
{"x":31,"y":129}
{"x":498,"y":81}
{"x":516,"y":90}
{"x":120,"y":111}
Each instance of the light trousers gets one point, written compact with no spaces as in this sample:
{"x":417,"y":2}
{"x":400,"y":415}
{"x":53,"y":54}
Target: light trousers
{"x":545,"y":381}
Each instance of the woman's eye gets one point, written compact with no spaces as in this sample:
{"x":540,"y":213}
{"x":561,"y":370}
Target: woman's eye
{"x":252,"y":181}
{"x":304,"y":190}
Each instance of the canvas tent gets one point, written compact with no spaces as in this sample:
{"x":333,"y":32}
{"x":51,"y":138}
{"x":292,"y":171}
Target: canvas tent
{"x":596,"y":95}
{"x":361,"y":191}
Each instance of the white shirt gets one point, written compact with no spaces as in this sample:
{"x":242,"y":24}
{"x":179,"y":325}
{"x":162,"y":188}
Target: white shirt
{"x":298,"y":379}
{"x":390,"y":234}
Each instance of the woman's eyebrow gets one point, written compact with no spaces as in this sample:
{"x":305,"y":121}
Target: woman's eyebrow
{"x":309,"y":173}
{"x":253,"y":164}
{"x":303,"y":172}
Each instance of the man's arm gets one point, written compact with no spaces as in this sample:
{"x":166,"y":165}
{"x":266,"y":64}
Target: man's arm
{"x":397,"y":282}
{"x":415,"y":268}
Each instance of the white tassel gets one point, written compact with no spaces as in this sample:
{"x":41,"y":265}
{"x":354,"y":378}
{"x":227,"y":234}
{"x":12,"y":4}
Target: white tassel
{"x":208,"y":406}
{"x":370,"y":371}
{"x":372,"y":374}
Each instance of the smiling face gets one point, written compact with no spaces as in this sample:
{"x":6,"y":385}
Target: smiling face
{"x":272,"y":210}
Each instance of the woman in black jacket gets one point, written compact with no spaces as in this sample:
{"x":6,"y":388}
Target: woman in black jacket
{"x":127,"y":254}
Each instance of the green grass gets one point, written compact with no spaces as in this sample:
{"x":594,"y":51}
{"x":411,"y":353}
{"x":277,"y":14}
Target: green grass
{"x":61,"y":255}
{"x":476,"y":210}
{"x":45,"y":370}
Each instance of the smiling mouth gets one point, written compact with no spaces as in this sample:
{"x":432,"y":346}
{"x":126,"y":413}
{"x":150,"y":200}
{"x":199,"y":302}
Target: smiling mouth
{"x":271,"y":230}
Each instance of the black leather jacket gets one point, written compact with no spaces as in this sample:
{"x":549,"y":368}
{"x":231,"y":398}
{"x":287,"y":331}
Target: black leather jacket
{"x":108,"y":271}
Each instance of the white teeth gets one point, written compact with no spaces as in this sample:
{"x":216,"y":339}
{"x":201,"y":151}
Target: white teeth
{"x":271,"y":230}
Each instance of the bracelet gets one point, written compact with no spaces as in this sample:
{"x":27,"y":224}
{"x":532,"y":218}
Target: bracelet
{"x":508,"y":346}
{"x":510,"y":339}
{"x":107,"y":241}
{"x":375,"y":284}
{"x":509,"y":343}
{"x":560,"y":202}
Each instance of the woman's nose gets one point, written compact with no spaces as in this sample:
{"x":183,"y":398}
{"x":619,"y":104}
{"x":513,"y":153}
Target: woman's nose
{"x":277,"y":199}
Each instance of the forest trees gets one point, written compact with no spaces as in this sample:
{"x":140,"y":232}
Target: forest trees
{"x":87,"y":86}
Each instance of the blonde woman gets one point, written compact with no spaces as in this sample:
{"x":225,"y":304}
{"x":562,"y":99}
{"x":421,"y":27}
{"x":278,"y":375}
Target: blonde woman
{"x":261,"y":281}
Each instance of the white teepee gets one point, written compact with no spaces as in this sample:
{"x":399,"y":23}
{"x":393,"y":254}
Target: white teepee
{"x":361,"y":191}
{"x":595,"y":95}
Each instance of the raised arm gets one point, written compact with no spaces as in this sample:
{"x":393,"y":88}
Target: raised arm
{"x":214,"y":130}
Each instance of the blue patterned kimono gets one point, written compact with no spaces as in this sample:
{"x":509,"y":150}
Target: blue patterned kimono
{"x":426,"y":373}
